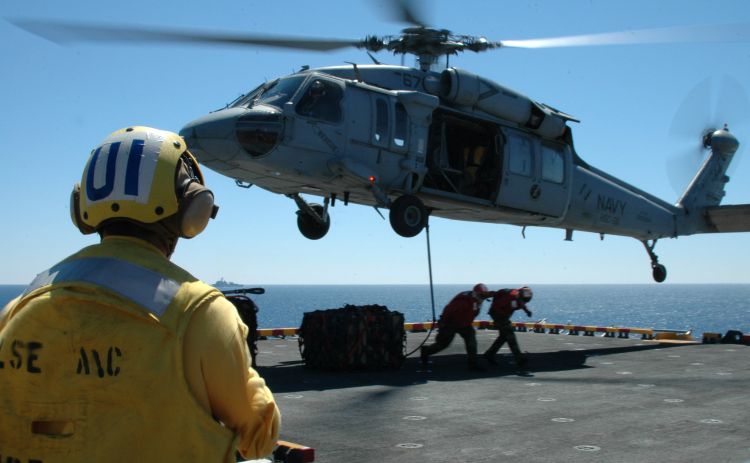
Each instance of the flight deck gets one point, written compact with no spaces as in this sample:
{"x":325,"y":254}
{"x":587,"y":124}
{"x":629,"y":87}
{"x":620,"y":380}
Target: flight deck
{"x":584,"y":399}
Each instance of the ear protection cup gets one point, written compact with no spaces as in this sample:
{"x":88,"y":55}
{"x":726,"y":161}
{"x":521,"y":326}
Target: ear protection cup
{"x":196,"y":201}
{"x":196,"y":209}
{"x":75,"y":211}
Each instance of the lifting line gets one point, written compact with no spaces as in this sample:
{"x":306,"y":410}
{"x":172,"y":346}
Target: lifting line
{"x":432,"y":289}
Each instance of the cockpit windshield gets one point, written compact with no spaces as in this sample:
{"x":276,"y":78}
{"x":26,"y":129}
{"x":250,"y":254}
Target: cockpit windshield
{"x":274,"y":93}
{"x":246,"y":98}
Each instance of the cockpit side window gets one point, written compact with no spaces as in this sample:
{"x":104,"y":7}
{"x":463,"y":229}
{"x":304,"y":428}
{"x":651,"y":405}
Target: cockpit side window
{"x":322,"y":100}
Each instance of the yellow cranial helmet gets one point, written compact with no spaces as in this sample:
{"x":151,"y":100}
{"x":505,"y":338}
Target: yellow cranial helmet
{"x":143,"y":175}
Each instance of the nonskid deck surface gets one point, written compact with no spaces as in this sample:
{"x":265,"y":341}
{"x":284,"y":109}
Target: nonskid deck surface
{"x":584,"y":399}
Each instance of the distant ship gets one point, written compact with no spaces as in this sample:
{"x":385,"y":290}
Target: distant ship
{"x":222,"y":283}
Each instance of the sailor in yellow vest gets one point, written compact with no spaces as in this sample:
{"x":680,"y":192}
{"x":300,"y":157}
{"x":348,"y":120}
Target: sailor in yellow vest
{"x":117,"y":354}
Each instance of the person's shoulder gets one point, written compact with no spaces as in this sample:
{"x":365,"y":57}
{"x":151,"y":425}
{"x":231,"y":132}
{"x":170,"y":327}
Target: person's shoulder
{"x":461,"y":296}
{"x":5,"y":311}
{"x":217,"y":307}
{"x":216,"y":318}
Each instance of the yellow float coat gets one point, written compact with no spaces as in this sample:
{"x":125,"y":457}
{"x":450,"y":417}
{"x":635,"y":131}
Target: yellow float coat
{"x":116,"y":354}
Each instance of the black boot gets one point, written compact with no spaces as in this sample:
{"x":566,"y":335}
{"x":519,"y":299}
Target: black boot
{"x":423,"y":356}
{"x":521,"y":362}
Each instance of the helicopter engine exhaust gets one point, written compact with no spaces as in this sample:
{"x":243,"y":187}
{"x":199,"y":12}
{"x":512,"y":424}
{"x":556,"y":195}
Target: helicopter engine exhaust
{"x":467,"y":89}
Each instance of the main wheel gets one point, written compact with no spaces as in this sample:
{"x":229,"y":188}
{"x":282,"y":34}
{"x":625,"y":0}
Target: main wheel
{"x":408,"y":215}
{"x":660,"y":273}
{"x":311,"y":228}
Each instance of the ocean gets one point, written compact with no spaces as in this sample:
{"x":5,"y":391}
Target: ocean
{"x":700,"y":308}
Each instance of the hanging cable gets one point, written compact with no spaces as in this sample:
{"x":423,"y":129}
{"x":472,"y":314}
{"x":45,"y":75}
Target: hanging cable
{"x":432,"y":289}
{"x":429,"y":269}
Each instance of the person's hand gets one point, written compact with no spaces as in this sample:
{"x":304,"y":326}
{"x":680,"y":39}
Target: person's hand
{"x":528,"y":312}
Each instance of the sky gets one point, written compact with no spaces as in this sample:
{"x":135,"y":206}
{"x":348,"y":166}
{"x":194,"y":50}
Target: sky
{"x":59,"y":102}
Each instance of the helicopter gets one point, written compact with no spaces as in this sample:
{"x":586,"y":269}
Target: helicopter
{"x":424,"y":141}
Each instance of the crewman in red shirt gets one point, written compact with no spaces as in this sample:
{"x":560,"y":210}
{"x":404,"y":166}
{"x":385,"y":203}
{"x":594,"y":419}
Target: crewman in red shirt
{"x":457,"y":318}
{"x":504,"y":303}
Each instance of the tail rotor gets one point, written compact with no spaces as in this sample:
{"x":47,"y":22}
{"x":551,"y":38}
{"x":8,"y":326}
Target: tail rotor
{"x":707,"y":108}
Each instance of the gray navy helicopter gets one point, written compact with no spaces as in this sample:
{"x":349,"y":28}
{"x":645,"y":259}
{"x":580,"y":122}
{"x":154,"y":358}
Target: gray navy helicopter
{"x":424,"y":141}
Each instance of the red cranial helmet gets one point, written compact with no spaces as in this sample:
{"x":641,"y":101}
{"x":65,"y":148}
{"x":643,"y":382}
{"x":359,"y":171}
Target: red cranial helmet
{"x":480,"y":290}
{"x":525,"y":293}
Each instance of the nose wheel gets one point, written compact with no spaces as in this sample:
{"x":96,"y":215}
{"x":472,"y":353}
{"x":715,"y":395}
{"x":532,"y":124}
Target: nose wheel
{"x":659,"y":272}
{"x":313,"y":220}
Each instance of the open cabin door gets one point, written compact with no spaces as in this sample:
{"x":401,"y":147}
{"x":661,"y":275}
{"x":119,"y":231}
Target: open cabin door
{"x":464,"y":158}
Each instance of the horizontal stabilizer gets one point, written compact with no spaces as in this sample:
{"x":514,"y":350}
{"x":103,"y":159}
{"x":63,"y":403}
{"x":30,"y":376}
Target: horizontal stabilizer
{"x":729,"y":218}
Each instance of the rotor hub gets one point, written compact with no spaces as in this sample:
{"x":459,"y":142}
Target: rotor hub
{"x":722,"y":141}
{"x":427,"y":43}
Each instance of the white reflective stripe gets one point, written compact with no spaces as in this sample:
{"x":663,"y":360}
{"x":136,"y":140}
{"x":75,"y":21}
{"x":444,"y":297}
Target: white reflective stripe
{"x":146,"y":288}
{"x":124,"y":170}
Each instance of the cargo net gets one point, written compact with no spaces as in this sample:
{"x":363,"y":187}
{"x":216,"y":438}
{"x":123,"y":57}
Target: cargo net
{"x":353,"y":338}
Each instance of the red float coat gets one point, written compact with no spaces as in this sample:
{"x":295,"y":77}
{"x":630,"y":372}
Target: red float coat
{"x":460,"y":311}
{"x":505,"y":302}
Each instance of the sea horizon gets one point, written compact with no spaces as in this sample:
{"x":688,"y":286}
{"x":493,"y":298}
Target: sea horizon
{"x":699,"y":308}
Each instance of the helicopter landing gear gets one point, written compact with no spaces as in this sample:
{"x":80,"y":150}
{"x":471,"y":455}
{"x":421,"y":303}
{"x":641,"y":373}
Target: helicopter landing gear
{"x":408,"y":215}
{"x":659,"y":271}
{"x":313,"y":220}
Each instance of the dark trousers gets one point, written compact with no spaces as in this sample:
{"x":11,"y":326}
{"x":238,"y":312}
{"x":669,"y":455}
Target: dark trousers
{"x":505,"y":334}
{"x":445,"y":336}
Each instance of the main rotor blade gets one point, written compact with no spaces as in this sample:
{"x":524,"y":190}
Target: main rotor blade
{"x":68,"y":32}
{"x":680,"y":34}
{"x":407,"y":11}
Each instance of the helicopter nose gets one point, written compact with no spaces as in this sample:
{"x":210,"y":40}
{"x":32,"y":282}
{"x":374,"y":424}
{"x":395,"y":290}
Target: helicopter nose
{"x":212,"y":138}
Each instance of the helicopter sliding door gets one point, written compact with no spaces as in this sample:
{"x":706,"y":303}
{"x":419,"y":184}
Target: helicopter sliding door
{"x":535,"y":176}
{"x":387,"y":133}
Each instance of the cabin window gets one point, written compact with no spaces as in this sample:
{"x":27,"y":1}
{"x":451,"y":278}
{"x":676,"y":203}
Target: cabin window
{"x":553,"y":165}
{"x":519,"y":155}
{"x":322,"y":100}
{"x":381,"y":120}
{"x":401,"y":126}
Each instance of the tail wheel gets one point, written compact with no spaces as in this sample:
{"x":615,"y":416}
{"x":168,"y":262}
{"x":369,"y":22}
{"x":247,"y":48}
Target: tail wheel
{"x":659,"y":273}
{"x":311,"y":227}
{"x":408,"y":216}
